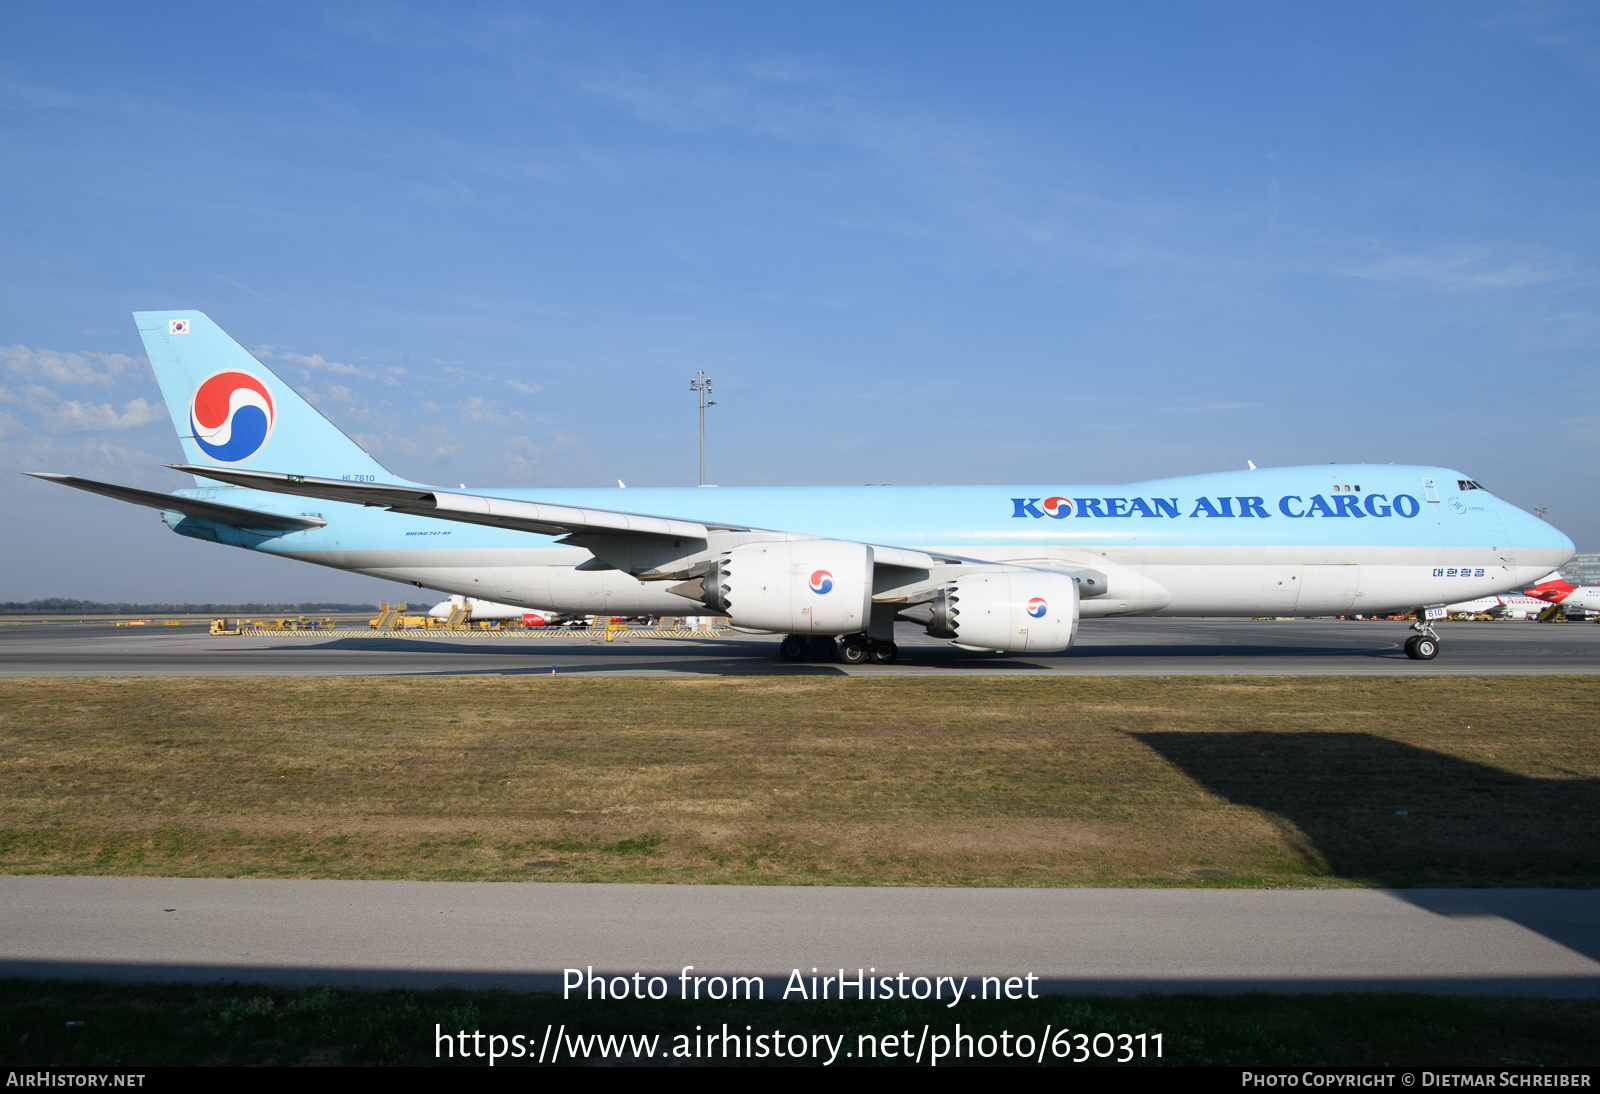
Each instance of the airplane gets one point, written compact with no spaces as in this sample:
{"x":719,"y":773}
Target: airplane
{"x":489,"y":610}
{"x":1550,"y":591}
{"x":831,"y":568}
{"x":1511,"y":606}
{"x":1556,"y":589}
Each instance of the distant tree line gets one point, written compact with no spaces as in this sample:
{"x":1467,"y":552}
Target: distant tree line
{"x":59,"y":604}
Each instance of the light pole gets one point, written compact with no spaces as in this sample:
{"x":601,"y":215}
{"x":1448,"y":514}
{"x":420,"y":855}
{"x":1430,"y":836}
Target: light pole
{"x":702,"y":385}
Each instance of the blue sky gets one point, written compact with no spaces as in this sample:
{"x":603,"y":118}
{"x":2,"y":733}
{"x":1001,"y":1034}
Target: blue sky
{"x":910,"y":242}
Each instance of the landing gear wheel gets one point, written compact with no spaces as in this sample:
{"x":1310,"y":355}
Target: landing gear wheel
{"x":794,"y":648}
{"x":822,"y":649}
{"x":1422,"y":647}
{"x":885,"y":653}
{"x":853,"y":652}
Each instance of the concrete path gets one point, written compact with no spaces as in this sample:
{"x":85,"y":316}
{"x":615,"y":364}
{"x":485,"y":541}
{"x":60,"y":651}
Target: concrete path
{"x":1119,"y":941}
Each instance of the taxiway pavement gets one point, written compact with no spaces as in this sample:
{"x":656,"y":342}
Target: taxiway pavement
{"x":1105,"y":647}
{"x":522,"y":936}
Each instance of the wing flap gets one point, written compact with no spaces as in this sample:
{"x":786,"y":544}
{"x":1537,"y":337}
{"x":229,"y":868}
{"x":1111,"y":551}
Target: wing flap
{"x":205,"y":510}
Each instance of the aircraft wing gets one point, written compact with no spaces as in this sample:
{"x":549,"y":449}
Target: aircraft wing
{"x":205,"y":510}
{"x":526,"y":516}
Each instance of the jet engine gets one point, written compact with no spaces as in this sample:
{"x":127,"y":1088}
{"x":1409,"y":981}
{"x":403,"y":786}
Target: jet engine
{"x":1029,"y":612}
{"x":807,"y":586}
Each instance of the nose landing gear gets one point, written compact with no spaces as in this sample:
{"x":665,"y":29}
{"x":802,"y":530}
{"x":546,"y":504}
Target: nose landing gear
{"x":1424,"y":645}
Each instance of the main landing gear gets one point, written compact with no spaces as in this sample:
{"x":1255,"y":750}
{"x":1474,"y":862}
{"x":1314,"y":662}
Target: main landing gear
{"x":1424,"y":645}
{"x":852,"y":649}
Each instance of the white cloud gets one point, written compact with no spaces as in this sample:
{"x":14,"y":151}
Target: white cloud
{"x":337,"y":394}
{"x":522,"y":458}
{"x":72,"y":416}
{"x":1208,"y":408}
{"x":100,"y":458}
{"x":55,"y":366}
{"x":318,"y":362}
{"x":1460,"y":267}
{"x":449,"y":194}
{"x":526,"y":389}
{"x":478,"y":409}
{"x":431,"y":443}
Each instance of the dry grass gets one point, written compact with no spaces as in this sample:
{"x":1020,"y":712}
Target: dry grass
{"x":991,"y":781}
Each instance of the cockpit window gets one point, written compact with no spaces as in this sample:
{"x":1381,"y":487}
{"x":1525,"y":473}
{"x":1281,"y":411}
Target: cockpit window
{"x":1467,"y":484}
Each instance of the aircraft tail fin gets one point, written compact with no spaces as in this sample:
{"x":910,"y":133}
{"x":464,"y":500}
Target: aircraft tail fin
{"x":231,"y":410}
{"x":1554,"y":588}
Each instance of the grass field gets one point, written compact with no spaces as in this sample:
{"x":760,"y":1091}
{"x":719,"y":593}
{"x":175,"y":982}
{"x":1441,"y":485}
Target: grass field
{"x":903,"y":781}
{"x":142,"y":1025}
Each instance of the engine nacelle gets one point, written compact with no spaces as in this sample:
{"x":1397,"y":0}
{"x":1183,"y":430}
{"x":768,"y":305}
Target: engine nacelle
{"x":1018,"y":612}
{"x":808,"y":586}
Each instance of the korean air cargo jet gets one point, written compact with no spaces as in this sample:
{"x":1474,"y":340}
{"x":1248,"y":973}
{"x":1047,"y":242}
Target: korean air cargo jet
{"x":1009,"y":568}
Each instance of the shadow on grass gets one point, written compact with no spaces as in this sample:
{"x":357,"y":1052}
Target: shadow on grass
{"x":1359,"y":806}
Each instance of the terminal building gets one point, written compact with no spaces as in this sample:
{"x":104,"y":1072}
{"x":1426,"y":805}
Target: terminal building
{"x":1583,"y":570}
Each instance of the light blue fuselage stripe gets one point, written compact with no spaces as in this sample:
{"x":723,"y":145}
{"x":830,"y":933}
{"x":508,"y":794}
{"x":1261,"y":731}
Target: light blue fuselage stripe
{"x":1267,"y":508}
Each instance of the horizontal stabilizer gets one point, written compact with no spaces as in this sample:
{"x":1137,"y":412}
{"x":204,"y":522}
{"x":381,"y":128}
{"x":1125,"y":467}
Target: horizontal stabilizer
{"x":204,"y":510}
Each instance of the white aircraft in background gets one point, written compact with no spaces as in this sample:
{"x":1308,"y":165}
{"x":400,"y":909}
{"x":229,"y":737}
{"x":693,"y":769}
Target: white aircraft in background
{"x":1556,"y":589}
{"x":1550,"y":591}
{"x":489,"y":610}
{"x":1509,"y":606}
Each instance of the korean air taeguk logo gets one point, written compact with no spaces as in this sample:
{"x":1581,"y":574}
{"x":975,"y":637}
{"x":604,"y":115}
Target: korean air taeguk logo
{"x":1037,"y":607}
{"x":231,"y":416}
{"x":821,"y":581}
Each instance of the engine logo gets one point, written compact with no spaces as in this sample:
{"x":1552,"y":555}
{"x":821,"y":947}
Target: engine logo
{"x":1037,"y":607}
{"x":821,"y":581}
{"x":231,"y":416}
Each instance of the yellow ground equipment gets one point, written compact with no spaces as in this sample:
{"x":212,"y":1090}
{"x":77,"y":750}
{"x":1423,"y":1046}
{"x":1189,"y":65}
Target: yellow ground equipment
{"x":458,"y":620}
{"x":388,"y":618}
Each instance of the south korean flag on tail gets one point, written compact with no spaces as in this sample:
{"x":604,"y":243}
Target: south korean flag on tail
{"x":177,"y":326}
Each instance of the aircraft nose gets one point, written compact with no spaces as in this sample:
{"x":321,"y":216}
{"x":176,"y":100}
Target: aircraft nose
{"x":1528,"y":530}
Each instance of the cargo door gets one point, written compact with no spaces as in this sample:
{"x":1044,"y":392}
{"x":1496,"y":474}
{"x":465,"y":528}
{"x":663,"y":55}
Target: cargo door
{"x":1327,"y":590}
